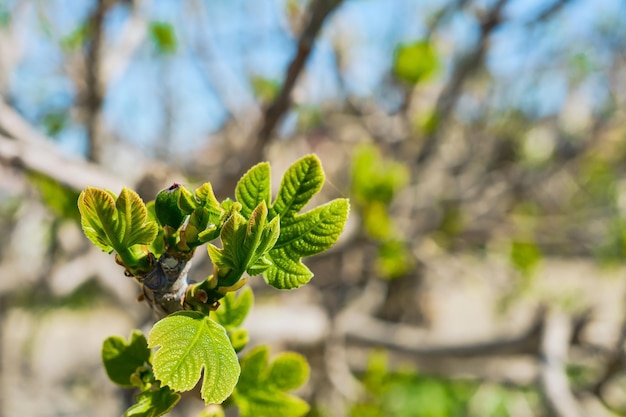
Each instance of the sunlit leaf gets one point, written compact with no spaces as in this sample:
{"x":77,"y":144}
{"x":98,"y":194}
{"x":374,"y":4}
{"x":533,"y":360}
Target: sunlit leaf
{"x":116,"y":223}
{"x":300,"y":182}
{"x":253,"y":188}
{"x":305,"y":235}
{"x":191,"y":343}
{"x":133,"y":216}
{"x":99,"y":218}
{"x":245,"y":244}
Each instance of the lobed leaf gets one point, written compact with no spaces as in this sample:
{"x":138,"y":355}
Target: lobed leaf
{"x":191,"y":342}
{"x":261,"y":388}
{"x":121,"y":359}
{"x":289,"y":236}
{"x":304,"y":235}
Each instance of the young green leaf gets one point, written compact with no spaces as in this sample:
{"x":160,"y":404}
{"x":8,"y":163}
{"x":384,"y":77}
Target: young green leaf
{"x":253,"y":188}
{"x":153,"y":403}
{"x":189,"y":343}
{"x":304,"y":235}
{"x":115,"y":224}
{"x":157,"y":247}
{"x":245,"y":245}
{"x":98,"y":217}
{"x":261,"y":388}
{"x":122,"y":359}
{"x":300,"y":235}
{"x":234,"y":308}
{"x":301,"y":181}
{"x":206,"y":197}
{"x":133,"y":215}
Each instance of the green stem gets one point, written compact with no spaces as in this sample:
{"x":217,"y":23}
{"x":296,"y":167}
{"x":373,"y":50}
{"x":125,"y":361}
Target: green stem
{"x":134,"y":259}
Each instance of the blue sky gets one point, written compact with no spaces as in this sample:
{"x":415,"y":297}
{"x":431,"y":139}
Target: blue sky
{"x":239,"y":39}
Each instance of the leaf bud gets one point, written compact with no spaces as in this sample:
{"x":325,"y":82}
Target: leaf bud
{"x":166,"y":207}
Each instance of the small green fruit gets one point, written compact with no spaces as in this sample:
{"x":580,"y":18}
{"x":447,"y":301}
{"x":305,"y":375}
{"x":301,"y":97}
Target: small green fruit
{"x":166,"y":207}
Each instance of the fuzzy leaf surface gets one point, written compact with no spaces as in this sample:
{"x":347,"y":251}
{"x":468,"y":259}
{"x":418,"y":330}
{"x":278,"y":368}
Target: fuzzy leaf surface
{"x":191,"y":342}
{"x":153,"y":403}
{"x":121,"y":359}
{"x":261,"y":391}
{"x":301,"y":236}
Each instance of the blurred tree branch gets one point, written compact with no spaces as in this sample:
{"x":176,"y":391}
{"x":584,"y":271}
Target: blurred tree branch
{"x":462,"y":70}
{"x":317,"y":13}
{"x":95,"y":85}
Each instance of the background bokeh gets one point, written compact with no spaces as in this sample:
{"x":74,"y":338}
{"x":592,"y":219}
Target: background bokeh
{"x":482,"y":144}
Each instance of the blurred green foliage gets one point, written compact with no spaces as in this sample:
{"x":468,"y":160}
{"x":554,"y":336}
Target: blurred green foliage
{"x":76,"y":38}
{"x":265,"y":89}
{"x":55,"y":122}
{"x":394,"y":259}
{"x":411,"y":394}
{"x":60,"y":199}
{"x":375,"y":182}
{"x":163,"y":36}
{"x":415,"y":62}
{"x":375,"y":178}
{"x":525,"y":256}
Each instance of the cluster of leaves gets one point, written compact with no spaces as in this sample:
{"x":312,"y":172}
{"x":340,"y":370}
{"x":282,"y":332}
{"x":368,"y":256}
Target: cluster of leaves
{"x":258,"y":236}
{"x":375,"y":183}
